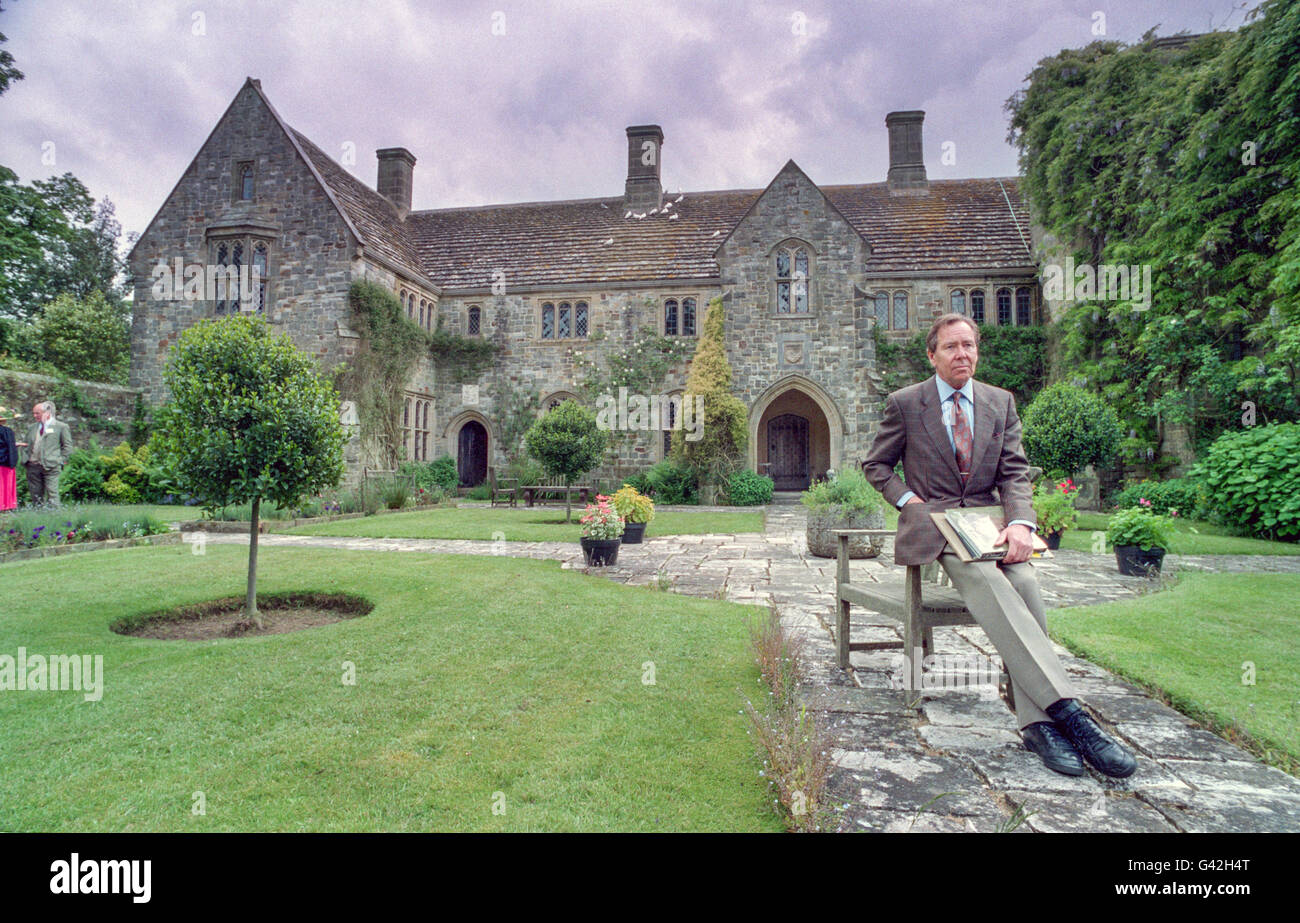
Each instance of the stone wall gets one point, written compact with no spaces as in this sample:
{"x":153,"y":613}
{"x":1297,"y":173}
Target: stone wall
{"x":105,"y":412}
{"x":309,"y":245}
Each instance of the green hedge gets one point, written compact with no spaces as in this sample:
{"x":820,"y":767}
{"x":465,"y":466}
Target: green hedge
{"x":1253,"y":481}
{"x":747,"y":488}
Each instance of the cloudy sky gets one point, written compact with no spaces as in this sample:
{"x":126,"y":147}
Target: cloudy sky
{"x":506,"y":101}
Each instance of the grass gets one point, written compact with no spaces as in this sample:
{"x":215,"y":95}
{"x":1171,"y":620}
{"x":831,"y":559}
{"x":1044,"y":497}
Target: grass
{"x":1192,"y":537}
{"x":474,"y":676}
{"x":1189,"y":644}
{"x":520,"y":525}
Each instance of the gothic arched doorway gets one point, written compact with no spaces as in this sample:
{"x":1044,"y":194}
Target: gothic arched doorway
{"x":471,"y":454}
{"x":788,"y":452}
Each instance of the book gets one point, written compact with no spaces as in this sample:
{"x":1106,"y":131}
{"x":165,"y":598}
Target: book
{"x":972,"y":531}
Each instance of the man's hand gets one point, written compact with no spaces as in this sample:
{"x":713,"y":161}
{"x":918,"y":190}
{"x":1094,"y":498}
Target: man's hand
{"x":914,"y":499}
{"x":1019,"y":541}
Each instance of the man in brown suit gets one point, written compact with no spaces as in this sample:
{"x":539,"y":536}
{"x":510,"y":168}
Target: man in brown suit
{"x":947,"y":462}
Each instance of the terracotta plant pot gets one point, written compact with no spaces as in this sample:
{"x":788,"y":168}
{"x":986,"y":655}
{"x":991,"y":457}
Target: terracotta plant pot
{"x":600,"y":552}
{"x":633,"y":532}
{"x":1138,"y":562}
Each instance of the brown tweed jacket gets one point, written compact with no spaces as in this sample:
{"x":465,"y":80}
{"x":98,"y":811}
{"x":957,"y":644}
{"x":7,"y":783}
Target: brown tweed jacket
{"x":913,"y":430}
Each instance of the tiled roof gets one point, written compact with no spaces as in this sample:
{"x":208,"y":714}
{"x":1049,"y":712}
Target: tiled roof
{"x":960,"y":224}
{"x":374,"y":217}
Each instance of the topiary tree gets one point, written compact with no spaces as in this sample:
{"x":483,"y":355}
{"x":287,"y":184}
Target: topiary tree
{"x":720,"y":449}
{"x":1067,"y":428}
{"x":250,"y":419}
{"x":568,"y":443}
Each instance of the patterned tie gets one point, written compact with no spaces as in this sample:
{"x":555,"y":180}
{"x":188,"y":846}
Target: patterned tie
{"x":962,"y":439}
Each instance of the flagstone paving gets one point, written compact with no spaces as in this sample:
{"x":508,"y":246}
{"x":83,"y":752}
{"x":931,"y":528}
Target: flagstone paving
{"x":944,"y":759}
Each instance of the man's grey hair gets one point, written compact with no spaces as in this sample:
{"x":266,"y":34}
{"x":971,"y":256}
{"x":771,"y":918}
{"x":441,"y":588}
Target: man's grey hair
{"x":48,"y":407}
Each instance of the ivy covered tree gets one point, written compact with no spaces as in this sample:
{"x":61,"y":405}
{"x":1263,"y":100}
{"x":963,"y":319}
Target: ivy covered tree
{"x":250,"y":419}
{"x":1183,"y":157}
{"x":568,"y":443}
{"x":720,"y":450}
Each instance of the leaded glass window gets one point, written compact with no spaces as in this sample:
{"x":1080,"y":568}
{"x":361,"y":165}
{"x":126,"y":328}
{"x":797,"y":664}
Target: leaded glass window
{"x":801,"y":282}
{"x":580,"y":319}
{"x":670,"y":317}
{"x":259,"y":277}
{"x":1023,"y":303}
{"x":566,"y":320}
{"x":688,"y":317}
{"x":475,"y":320}
{"x":548,"y":321}
{"x":237,"y":264}
{"x":977,"y":305}
{"x":223,"y":260}
{"x":1004,"y":306}
{"x":958,"y":302}
{"x":246,"y":182}
{"x":900,"y":310}
{"x":882,"y":310}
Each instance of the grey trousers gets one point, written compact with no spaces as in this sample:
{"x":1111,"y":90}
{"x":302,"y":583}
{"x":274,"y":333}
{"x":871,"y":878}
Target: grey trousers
{"x":43,"y":484}
{"x":1006,"y":602}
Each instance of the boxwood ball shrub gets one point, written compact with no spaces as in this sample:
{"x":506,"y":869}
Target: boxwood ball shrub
{"x":748,"y":488}
{"x":1068,"y":428}
{"x":1253,"y":480}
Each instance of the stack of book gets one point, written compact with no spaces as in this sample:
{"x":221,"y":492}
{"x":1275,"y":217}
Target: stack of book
{"x":973,"y":530}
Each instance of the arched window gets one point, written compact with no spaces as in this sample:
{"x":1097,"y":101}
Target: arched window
{"x":1004,"y":306}
{"x":237,"y":265}
{"x":668,"y":420}
{"x":882,"y":310}
{"x":246,"y":182}
{"x":670,"y":317}
{"x":958,"y":301}
{"x":900,"y":310}
{"x":566,"y":321}
{"x":1024,"y":303}
{"x":580,"y":319}
{"x":421,"y":312}
{"x":977,"y":305}
{"x":548,"y":321}
{"x":793,"y":268}
{"x":688,"y":317}
{"x":475,"y":322}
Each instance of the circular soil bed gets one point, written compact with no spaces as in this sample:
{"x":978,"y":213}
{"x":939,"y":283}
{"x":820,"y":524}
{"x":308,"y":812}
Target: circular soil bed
{"x":224,"y":618}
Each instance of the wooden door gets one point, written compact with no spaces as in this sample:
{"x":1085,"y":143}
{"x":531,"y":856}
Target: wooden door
{"x":787,"y":452}
{"x":471,"y":454}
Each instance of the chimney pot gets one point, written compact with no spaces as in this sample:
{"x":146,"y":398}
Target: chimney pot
{"x":906,"y":161}
{"x":396,"y":179}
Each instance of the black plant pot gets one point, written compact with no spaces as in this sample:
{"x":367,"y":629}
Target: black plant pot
{"x":633,"y":532}
{"x":600,"y":552}
{"x":1138,"y":562}
{"x":1053,"y":540}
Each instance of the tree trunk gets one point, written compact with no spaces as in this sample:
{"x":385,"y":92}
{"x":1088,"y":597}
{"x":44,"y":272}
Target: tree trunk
{"x":568,"y":500}
{"x":250,"y":601}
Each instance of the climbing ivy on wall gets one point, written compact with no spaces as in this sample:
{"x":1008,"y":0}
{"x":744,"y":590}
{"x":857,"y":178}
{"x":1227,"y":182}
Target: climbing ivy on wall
{"x":390,"y":347}
{"x":516,"y":412}
{"x":1186,"y":160}
{"x":461,"y":358}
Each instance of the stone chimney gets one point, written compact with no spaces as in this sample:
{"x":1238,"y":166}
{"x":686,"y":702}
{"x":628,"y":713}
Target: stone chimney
{"x":645,"y":144}
{"x":396,"y":166}
{"x":906,"y":164}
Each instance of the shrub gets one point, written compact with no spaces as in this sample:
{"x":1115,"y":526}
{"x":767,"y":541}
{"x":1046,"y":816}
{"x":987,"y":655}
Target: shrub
{"x":481,"y":492}
{"x":126,"y":478}
{"x":1069,"y":428}
{"x":568,"y":442}
{"x":1054,"y":505}
{"x":442,"y":471}
{"x":1139,"y":526}
{"x":633,"y":505}
{"x":395,"y":493}
{"x":82,"y":478}
{"x":640,"y":482}
{"x":747,"y":488}
{"x":1253,"y":480}
{"x":848,"y":492}
{"x":724,"y":434}
{"x":524,"y":470}
{"x":1185,"y":495}
{"x":672,"y":483}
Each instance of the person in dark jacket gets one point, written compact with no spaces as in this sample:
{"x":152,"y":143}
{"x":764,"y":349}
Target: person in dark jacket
{"x":8,"y":464}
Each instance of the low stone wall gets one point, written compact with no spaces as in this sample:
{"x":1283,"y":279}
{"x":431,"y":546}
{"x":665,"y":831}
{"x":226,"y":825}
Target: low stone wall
{"x":92,"y":410}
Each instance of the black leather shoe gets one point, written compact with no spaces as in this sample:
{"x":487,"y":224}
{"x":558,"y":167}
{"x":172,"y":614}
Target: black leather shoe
{"x":1056,"y":752}
{"x":1105,"y":753}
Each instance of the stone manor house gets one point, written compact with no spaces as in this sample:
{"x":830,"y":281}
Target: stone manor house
{"x":806,"y":272}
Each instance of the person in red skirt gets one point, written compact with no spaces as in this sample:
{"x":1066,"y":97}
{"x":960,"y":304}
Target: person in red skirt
{"x":8,"y":464}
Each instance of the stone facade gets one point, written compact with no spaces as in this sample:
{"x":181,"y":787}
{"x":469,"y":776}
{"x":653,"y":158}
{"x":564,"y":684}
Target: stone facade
{"x":799,"y":268}
{"x":105,"y":414}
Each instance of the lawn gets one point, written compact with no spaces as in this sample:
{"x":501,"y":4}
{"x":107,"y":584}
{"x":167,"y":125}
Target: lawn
{"x":519,"y":525}
{"x":1191,"y":537}
{"x":1190,"y":642}
{"x":474,"y":676}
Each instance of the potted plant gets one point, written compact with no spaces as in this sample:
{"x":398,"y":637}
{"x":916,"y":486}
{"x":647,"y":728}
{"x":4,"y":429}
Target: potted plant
{"x":1140,"y":538}
{"x":602,"y":531}
{"x":1054,"y":507}
{"x":636,"y":509}
{"x":845,"y":501}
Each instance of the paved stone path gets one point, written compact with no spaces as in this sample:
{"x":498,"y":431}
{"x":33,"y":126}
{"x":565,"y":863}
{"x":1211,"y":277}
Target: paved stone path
{"x":945,"y":759}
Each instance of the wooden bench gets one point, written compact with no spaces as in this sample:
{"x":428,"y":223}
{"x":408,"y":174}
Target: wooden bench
{"x":939,"y":607}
